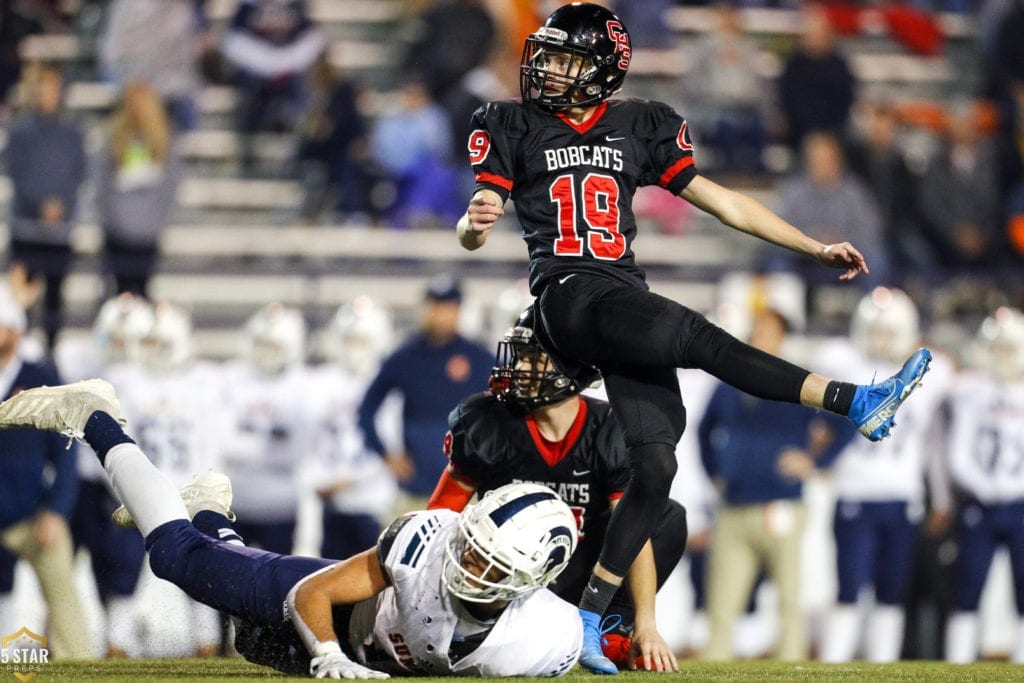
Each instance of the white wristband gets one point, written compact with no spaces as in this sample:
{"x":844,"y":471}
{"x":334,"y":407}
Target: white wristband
{"x":826,"y":250}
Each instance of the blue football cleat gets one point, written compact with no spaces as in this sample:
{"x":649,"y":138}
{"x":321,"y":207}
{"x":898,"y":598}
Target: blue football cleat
{"x":874,"y":405}
{"x":592,"y":656}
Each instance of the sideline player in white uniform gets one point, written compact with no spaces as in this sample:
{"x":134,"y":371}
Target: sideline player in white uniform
{"x":267,"y":400}
{"x":880,"y":487}
{"x":116,"y":555}
{"x":357,"y":489}
{"x":442,"y":593}
{"x":173,"y":410}
{"x":986,"y":451}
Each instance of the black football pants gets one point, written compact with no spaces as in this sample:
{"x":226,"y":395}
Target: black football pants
{"x":637,"y":339}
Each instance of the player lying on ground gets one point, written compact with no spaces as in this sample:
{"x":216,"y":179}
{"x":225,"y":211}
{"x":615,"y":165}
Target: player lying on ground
{"x":442,"y":593}
{"x":534,"y":426}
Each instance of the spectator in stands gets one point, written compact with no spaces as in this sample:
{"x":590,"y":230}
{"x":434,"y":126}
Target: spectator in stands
{"x":1003,"y":71}
{"x":816,"y":88}
{"x":411,"y":143}
{"x":433,"y":370}
{"x":271,"y":44}
{"x":831,"y":203}
{"x":47,"y":166}
{"x":448,"y":39}
{"x":758,"y":453}
{"x":875,"y":156}
{"x":159,"y":43}
{"x":37,"y":494}
{"x":959,"y":196}
{"x":138,"y":173}
{"x":728,"y":96}
{"x":333,"y":150}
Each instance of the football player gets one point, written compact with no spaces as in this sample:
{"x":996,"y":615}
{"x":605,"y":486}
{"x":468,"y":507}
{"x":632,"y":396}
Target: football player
{"x":116,"y":555}
{"x":880,"y":488}
{"x":441,"y":593}
{"x":571,"y":160}
{"x":270,"y":430}
{"x":176,"y":415}
{"x":357,"y":489}
{"x":534,"y":426}
{"x":986,"y":451}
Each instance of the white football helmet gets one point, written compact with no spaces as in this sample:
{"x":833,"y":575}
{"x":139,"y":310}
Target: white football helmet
{"x":120,"y":324}
{"x":1001,"y":342}
{"x":885,"y":325}
{"x":275,"y":338}
{"x":359,"y":335}
{"x":516,"y":539}
{"x":167,"y":344}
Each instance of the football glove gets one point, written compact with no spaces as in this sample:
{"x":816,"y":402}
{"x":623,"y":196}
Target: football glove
{"x":330,"y":662}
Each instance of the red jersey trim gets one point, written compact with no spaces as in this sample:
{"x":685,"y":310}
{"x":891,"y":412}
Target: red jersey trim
{"x":615,"y":496}
{"x":492,"y":179}
{"x":674,"y":170}
{"x":554,"y":451}
{"x":582,"y":128}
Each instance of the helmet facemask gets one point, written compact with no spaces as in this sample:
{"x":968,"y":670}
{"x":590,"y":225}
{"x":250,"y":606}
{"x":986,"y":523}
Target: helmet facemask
{"x":524,"y":375}
{"x":578,"y":58}
{"x":516,"y":539}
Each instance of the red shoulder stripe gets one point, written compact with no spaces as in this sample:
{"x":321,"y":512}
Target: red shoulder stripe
{"x":493,"y":179}
{"x":674,"y":170}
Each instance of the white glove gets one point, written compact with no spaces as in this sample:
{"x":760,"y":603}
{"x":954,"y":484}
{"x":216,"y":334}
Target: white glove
{"x":330,"y":662}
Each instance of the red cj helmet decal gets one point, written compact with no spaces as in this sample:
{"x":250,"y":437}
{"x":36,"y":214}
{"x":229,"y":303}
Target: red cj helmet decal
{"x":621,"y":40}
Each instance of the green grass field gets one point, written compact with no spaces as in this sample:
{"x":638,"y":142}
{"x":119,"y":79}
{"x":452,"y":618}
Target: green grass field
{"x":193,"y":670}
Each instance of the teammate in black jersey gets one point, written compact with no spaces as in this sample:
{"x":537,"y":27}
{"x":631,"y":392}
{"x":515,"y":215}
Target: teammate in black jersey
{"x":533,"y":426}
{"x":571,"y":160}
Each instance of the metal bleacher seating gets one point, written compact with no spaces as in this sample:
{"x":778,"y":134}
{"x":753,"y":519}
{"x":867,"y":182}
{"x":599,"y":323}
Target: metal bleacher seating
{"x":236,"y":242}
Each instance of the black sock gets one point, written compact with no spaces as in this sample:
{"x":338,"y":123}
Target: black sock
{"x":216,"y":525}
{"x":103,"y":432}
{"x":597,"y":595}
{"x":839,"y":397}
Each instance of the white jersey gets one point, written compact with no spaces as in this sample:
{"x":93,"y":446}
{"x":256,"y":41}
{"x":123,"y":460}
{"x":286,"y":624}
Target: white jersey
{"x":268,"y":419}
{"x":339,"y":455}
{"x":174,"y":418}
{"x":415,"y":621}
{"x":892,"y":469}
{"x":79,"y":358}
{"x":986,"y":446}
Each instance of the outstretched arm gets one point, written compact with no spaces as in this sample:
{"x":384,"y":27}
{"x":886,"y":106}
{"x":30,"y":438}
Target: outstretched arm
{"x":485,"y":208}
{"x":647,"y":642}
{"x":746,"y":214}
{"x":358,"y":578}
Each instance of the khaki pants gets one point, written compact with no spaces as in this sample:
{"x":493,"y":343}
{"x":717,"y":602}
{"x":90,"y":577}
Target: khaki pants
{"x":68,"y":636}
{"x":745,"y":538}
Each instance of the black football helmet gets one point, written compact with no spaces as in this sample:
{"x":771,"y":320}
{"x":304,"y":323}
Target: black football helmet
{"x":523,"y":374}
{"x":590,"y":32}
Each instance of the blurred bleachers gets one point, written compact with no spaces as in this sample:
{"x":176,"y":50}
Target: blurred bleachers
{"x":236,"y":241}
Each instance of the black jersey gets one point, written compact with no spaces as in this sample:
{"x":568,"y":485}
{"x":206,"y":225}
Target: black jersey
{"x":490,"y":446}
{"x":573,"y":185}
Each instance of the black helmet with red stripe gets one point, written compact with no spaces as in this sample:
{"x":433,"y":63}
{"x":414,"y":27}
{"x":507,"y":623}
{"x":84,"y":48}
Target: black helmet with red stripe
{"x":599,"y":50}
